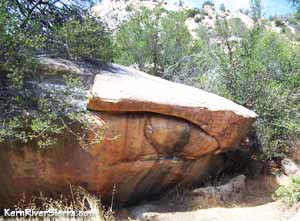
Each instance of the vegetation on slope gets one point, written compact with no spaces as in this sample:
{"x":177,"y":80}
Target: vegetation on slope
{"x":290,"y":194}
{"x":28,"y":109}
{"x":254,"y":67}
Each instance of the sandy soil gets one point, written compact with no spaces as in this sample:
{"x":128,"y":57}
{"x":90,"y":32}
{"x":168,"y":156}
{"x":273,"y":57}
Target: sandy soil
{"x":256,"y":205}
{"x":266,"y":212}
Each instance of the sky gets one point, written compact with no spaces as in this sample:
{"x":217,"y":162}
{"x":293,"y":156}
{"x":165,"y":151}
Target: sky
{"x":270,"y":7}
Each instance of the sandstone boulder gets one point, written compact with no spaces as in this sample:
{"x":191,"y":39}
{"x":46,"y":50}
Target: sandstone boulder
{"x":127,"y":90}
{"x":157,"y":134}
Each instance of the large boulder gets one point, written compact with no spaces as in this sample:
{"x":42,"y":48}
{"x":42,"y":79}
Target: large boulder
{"x":156,"y":134}
{"x":122,"y":89}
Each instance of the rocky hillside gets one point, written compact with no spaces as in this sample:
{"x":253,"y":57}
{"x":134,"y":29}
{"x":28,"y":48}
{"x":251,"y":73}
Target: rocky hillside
{"x":114,"y":12}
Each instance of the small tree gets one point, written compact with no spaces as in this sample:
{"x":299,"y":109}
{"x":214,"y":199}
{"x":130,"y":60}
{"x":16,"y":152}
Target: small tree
{"x":153,"y":41}
{"x":260,"y":72}
{"x":256,"y":10}
{"x":191,"y":13}
{"x":82,"y":39}
{"x":29,"y":109}
{"x":175,"y":38}
{"x":136,"y":40}
{"x":296,"y":3}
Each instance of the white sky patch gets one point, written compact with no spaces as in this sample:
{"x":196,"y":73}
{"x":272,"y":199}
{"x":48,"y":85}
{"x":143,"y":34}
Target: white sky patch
{"x":270,"y":7}
{"x":233,"y":5}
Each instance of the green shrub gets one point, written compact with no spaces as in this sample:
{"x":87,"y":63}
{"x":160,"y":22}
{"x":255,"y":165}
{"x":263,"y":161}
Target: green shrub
{"x":263,"y":77}
{"x":28,"y":110}
{"x":135,"y":42}
{"x":297,"y":5}
{"x":279,"y":23}
{"x":152,"y":41}
{"x":82,"y":39}
{"x":175,"y":38}
{"x":191,"y":13}
{"x":198,"y":19}
{"x":261,"y":72}
{"x":289,"y":194}
{"x":294,"y":19}
{"x":17,"y":64}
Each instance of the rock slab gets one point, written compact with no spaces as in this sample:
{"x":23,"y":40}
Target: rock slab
{"x":156,"y":135}
{"x":123,"y":89}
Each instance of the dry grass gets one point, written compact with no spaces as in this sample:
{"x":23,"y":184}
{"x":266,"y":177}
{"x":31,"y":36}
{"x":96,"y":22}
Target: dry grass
{"x":257,"y":192}
{"x":255,"y":203}
{"x":79,"y":200}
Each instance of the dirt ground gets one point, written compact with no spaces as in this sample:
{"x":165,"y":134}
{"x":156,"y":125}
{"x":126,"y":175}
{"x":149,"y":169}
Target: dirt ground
{"x":257,"y":204}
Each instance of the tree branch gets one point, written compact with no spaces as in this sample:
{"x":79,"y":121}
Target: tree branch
{"x":30,"y":11}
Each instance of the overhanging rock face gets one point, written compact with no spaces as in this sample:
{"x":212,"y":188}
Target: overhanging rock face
{"x":129,"y":90}
{"x":157,"y":134}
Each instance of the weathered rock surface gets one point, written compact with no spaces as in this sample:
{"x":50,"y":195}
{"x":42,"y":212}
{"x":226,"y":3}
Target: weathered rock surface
{"x":214,"y":195}
{"x":290,"y":168}
{"x":129,"y":90}
{"x":157,"y":134}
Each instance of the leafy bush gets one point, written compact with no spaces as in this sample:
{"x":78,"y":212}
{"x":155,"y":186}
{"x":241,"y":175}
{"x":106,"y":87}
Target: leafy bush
{"x":254,"y":67}
{"x":297,"y":5}
{"x":195,"y":67}
{"x":175,"y":38}
{"x":261,"y":72}
{"x":279,"y":23}
{"x":198,"y":19}
{"x":28,"y":109}
{"x":152,"y":41}
{"x":83,"y":39}
{"x":289,"y":194}
{"x":234,"y":26}
{"x":191,"y":13}
{"x":16,"y":66}
{"x":136,"y":41}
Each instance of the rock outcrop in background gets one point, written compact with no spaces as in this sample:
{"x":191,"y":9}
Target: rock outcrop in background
{"x":115,"y":12}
